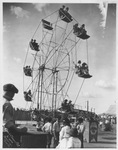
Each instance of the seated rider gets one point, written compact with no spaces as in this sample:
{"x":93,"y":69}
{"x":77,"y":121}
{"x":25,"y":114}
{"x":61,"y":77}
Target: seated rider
{"x":78,"y":66}
{"x":64,"y":104}
{"x":82,"y":29}
{"x":70,"y":106}
{"x":28,"y":71}
{"x":75,"y":28}
{"x":63,"y":7}
{"x":35,"y":45}
{"x":84,"y":68}
{"x":61,"y":11}
{"x":27,"y":95}
{"x":66,"y":10}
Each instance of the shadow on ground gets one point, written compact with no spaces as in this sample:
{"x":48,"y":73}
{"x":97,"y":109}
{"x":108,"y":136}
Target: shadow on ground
{"x":109,"y":138}
{"x":105,"y":142}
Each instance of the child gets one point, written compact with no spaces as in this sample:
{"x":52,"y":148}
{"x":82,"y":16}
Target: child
{"x":74,"y":141}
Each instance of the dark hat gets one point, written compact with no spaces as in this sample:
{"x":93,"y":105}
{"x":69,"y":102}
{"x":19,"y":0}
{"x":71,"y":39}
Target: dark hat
{"x":80,"y":120}
{"x":66,"y":121}
{"x":10,"y":88}
{"x":73,"y":132}
{"x":66,"y":100}
{"x":83,"y":25}
{"x":79,"y":61}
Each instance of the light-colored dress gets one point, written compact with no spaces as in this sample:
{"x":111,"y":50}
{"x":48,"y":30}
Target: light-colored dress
{"x":64,"y":137}
{"x":74,"y":142}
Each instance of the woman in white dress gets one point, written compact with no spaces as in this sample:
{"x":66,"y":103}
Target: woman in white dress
{"x":74,"y":141}
{"x":64,"y":134}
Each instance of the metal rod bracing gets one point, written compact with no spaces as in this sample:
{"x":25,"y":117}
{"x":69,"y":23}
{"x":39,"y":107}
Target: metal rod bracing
{"x":79,"y":91}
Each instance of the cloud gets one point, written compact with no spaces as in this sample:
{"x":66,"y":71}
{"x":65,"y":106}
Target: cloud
{"x":19,"y":12}
{"x":103,"y":10}
{"x":106,"y":84}
{"x":5,"y":27}
{"x":89,"y":95}
{"x":18,"y":60}
{"x":40,"y":6}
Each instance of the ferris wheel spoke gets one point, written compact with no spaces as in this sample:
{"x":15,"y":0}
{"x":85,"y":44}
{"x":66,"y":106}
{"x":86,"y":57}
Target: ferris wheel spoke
{"x":52,"y":64}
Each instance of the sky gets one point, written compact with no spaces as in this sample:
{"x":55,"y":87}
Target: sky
{"x":20,"y":20}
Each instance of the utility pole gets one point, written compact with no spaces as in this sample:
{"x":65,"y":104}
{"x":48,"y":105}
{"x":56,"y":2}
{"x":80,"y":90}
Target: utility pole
{"x":94,"y":110}
{"x":87,"y":106}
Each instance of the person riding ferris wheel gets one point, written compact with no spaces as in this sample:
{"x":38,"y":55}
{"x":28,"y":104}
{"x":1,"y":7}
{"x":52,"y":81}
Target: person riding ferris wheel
{"x":51,"y":58}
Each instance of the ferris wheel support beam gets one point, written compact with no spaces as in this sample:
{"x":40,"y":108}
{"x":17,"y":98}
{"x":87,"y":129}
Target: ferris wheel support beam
{"x":54,"y":94}
{"x":56,"y":89}
{"x":38,"y":91}
{"x":40,"y":86}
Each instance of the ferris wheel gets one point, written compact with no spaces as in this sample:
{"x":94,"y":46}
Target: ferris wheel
{"x":49,"y":58}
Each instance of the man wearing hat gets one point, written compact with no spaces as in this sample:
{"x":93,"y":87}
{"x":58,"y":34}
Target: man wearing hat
{"x":8,"y":112}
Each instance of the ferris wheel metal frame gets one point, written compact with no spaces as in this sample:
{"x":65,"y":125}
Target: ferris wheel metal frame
{"x":55,"y":59}
{"x":51,"y":59}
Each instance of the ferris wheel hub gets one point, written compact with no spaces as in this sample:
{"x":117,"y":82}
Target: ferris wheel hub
{"x":42,"y":67}
{"x":54,"y":70}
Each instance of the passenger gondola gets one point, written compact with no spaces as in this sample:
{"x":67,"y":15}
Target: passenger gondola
{"x":64,"y":15}
{"x":47,"y":24}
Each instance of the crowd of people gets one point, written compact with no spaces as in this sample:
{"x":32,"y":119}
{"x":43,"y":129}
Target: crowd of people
{"x":106,"y":122}
{"x":61,"y":134}
{"x":61,"y":131}
{"x":64,"y":135}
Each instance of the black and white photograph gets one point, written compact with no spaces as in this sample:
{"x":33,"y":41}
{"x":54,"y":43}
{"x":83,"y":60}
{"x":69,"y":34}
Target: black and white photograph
{"x":59,"y":74}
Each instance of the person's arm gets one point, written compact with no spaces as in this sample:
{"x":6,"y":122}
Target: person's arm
{"x":78,"y":128}
{"x":43,"y":128}
{"x":54,"y":129}
{"x":61,"y":134}
{"x":50,"y":128}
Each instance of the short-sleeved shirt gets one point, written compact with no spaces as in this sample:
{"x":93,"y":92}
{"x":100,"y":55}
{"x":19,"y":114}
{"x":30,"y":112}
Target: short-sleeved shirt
{"x":56,"y":127}
{"x":47,"y":127}
{"x":74,"y":142}
{"x":81,"y":128}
